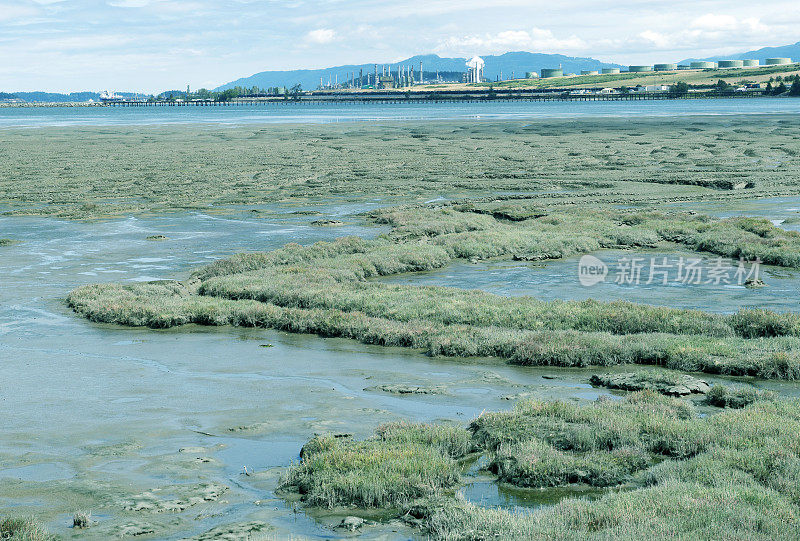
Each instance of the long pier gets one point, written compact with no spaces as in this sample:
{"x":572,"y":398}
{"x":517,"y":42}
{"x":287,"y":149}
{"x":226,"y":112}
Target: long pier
{"x":444,"y":96}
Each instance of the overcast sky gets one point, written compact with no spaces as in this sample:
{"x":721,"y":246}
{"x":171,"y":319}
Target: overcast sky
{"x":154,"y":45}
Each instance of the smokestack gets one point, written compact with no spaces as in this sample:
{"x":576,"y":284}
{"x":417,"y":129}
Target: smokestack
{"x":420,"y":72}
{"x":360,"y":77}
{"x":376,"y":75}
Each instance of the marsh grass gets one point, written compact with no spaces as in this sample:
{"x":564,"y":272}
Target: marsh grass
{"x":23,"y":529}
{"x":673,"y":510}
{"x":725,"y":397}
{"x":402,"y":463}
{"x":160,"y":305}
{"x":672,"y":474}
{"x":82,"y":519}
{"x":328,"y":289}
{"x":594,"y":162}
{"x":734,"y":475}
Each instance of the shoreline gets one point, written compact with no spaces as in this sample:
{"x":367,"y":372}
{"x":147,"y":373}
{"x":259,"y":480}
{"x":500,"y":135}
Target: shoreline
{"x":565,"y":94}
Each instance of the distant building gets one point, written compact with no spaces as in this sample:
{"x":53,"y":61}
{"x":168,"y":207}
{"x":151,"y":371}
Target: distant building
{"x":652,"y":88}
{"x":385,"y":81}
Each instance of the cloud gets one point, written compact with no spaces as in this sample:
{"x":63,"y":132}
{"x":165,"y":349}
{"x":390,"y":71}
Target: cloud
{"x":129,"y":3}
{"x":536,"y":39}
{"x":10,"y":12}
{"x":728,"y":23}
{"x":708,"y":30}
{"x":321,"y":36}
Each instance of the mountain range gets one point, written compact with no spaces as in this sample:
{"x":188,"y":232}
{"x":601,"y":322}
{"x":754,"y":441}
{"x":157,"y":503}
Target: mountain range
{"x":786,"y":51}
{"x":505,"y":65}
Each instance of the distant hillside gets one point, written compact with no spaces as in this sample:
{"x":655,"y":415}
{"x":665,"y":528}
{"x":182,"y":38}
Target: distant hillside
{"x":786,"y":51}
{"x":510,"y":63}
{"x":54,"y":97}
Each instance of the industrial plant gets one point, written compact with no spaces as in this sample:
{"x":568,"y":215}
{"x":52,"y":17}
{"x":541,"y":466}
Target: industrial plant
{"x":404,"y":76}
{"x":548,"y":73}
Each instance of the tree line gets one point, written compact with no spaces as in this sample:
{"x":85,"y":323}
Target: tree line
{"x":230,"y":94}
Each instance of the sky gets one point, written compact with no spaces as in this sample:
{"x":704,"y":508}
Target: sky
{"x":155,"y":45}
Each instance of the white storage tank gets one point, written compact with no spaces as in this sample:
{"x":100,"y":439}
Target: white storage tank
{"x":702,"y":65}
{"x":552,"y":72}
{"x":665,"y":67}
{"x":778,"y":61}
{"x":728,"y":64}
{"x":610,"y":71}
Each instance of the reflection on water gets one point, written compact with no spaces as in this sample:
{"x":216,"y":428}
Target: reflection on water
{"x":484,"y":490}
{"x":489,"y":493}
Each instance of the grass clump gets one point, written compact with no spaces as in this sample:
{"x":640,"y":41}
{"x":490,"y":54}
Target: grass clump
{"x":725,"y":397}
{"x":544,"y":444}
{"x":6,"y":242}
{"x":23,"y":529}
{"x":402,"y":463}
{"x":534,"y":463}
{"x":82,"y":519}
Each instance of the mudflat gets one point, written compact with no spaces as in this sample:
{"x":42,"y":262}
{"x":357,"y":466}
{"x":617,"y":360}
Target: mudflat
{"x":166,"y":389}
